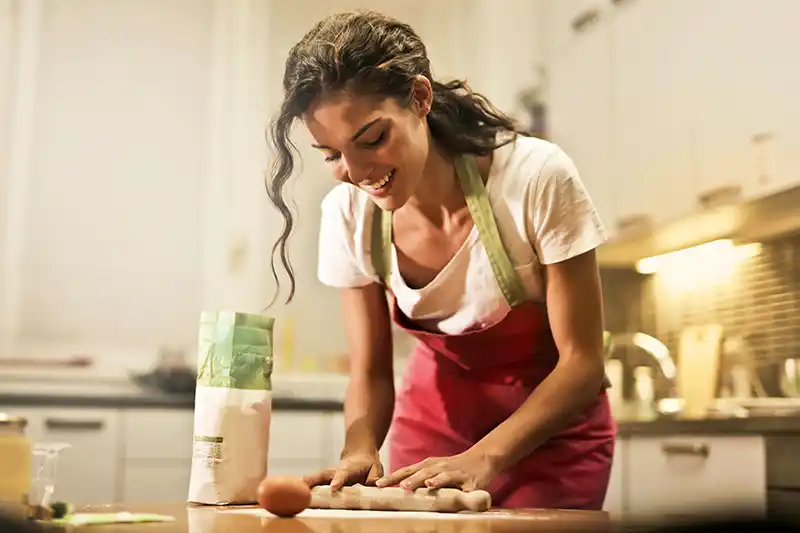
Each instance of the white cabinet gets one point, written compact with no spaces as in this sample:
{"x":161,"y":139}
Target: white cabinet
{"x":688,"y":475}
{"x":581,"y":123}
{"x":88,"y":471}
{"x":650,"y":125}
{"x":156,"y":454}
{"x":337,"y":429}
{"x":298,"y":442}
{"x":615,"y":496}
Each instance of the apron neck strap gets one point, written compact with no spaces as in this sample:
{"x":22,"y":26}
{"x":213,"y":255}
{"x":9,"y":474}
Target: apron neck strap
{"x":475,"y":194}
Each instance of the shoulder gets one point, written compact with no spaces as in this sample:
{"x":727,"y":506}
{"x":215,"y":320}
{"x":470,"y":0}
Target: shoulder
{"x":526,"y":162}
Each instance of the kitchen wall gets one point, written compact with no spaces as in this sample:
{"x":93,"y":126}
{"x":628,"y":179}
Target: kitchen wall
{"x":757,"y":298}
{"x":131,"y":191}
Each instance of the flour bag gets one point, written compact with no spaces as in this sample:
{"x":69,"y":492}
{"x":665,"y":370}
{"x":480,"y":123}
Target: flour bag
{"x":233,"y":402}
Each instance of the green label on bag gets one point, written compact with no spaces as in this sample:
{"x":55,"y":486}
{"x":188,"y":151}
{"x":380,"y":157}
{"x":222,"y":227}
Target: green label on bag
{"x":235,"y":351}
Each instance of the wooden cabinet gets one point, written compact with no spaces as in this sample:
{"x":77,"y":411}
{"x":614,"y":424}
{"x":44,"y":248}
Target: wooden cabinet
{"x":689,"y":475}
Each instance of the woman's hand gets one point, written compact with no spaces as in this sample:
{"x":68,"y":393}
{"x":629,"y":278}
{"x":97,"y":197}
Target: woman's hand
{"x":357,"y":467}
{"x":467,"y":471}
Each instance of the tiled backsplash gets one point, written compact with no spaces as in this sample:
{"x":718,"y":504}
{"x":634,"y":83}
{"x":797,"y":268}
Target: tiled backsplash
{"x":759,"y":299}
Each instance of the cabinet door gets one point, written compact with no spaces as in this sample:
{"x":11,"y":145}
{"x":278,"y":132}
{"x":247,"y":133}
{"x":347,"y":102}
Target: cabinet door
{"x":561,"y":15}
{"x":651,"y":126}
{"x":88,"y":471}
{"x":721,"y":50}
{"x":614,"y":504}
{"x":581,"y":122}
{"x":298,"y":442}
{"x":154,"y":481}
{"x":773,"y":41}
{"x":695,"y":474}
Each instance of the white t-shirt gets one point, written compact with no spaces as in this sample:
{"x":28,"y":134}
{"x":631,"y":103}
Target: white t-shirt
{"x":543,"y":213}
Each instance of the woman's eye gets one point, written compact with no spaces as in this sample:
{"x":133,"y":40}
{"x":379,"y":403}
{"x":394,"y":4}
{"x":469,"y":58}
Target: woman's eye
{"x":332,"y":158}
{"x":377,"y":141}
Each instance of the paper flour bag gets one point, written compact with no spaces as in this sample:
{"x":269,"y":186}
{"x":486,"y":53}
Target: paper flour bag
{"x":233,"y":401}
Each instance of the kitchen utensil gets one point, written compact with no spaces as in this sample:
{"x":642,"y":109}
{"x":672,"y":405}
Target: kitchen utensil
{"x":698,"y":367}
{"x":359,"y":497}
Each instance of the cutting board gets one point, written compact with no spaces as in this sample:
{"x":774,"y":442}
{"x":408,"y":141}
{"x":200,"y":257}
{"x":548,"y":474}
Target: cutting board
{"x":698,"y":368}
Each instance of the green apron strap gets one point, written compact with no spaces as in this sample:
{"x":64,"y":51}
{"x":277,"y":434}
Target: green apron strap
{"x":381,"y":243}
{"x":481,"y":210}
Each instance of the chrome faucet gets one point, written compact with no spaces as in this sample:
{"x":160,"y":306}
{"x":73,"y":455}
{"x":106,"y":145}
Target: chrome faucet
{"x":649,"y":344}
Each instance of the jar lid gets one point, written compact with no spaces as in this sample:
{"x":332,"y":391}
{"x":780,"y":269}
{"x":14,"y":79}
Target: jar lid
{"x":12,"y":420}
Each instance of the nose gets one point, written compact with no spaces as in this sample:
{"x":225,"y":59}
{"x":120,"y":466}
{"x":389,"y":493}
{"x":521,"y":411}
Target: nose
{"x":357,"y":170}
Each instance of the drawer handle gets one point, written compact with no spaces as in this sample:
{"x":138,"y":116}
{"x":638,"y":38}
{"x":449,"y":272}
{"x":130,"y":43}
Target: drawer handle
{"x":701,"y":450}
{"x":583,"y":20}
{"x":73,"y":425}
{"x":719,"y":196}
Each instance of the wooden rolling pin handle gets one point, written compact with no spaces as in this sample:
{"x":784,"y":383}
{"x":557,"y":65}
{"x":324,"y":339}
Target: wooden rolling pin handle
{"x":359,"y":497}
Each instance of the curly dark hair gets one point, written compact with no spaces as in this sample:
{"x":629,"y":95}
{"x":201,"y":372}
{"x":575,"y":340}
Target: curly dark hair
{"x":368,"y":53}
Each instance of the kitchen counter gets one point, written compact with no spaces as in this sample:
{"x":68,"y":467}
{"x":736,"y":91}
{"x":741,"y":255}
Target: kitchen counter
{"x":202,"y":519}
{"x":755,"y":425}
{"x":147,"y":399}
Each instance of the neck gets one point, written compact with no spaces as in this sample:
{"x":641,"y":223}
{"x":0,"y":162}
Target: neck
{"x":438,"y":193}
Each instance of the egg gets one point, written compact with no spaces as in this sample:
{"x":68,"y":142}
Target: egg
{"x":284,"y":495}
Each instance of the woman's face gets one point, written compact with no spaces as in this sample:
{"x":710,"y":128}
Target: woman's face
{"x":374,"y":143}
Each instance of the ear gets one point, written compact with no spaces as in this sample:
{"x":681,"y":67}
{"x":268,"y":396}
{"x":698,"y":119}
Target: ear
{"x":421,"y":95}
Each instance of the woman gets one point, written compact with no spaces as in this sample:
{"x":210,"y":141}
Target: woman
{"x":483,"y":238}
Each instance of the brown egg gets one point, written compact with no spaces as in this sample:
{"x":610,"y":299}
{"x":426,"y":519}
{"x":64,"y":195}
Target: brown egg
{"x":284,"y":495}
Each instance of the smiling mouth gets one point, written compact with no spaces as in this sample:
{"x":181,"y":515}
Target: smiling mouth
{"x":381,"y":184}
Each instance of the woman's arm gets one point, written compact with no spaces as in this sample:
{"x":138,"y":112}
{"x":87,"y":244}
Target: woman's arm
{"x":575,"y":309}
{"x":369,"y":401}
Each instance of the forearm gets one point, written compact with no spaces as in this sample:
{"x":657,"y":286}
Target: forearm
{"x":551,"y":407}
{"x":368,"y":408}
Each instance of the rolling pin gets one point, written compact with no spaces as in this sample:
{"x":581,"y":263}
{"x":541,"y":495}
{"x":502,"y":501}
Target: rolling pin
{"x":360,"y":497}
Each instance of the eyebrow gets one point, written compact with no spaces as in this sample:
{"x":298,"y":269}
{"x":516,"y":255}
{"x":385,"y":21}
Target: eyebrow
{"x":361,"y":131}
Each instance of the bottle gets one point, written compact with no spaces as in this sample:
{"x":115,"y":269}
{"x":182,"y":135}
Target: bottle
{"x":645,"y":391}
{"x":15,"y":465}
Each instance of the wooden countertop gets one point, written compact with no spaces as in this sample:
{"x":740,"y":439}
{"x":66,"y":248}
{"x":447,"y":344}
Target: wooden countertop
{"x":202,"y":519}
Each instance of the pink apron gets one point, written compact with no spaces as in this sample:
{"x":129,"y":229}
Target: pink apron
{"x":457,"y":388}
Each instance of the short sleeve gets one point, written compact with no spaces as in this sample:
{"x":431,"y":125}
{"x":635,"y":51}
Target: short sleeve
{"x":562,"y":221}
{"x":338,"y":257}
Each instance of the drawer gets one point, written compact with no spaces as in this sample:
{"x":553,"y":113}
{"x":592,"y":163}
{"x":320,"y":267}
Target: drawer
{"x":695,"y":474}
{"x":158,"y":434}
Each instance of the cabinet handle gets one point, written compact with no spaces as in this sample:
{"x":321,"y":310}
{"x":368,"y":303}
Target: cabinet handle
{"x":675,"y":448}
{"x":57,"y":424}
{"x":634,"y":224}
{"x":585,"y":19}
{"x":724,"y":195}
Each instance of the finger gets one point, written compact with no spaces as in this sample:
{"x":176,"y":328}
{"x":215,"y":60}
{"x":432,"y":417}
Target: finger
{"x":418,"y":479}
{"x":375,"y":473}
{"x":398,"y":475}
{"x":322,"y":477}
{"x":443,"y":480}
{"x":340,"y":478}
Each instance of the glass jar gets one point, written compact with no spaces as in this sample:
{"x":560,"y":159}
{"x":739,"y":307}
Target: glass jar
{"x":15,"y":464}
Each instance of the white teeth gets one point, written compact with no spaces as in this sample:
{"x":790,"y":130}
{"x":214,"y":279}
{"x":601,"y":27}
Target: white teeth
{"x":380,"y":184}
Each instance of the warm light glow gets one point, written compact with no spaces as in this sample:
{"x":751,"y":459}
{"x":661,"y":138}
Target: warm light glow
{"x":714,"y":252}
{"x":706,"y":265}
